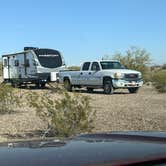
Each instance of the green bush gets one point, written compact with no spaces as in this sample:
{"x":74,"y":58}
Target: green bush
{"x":159,"y":80}
{"x":68,"y":115}
{"x":9,"y":101}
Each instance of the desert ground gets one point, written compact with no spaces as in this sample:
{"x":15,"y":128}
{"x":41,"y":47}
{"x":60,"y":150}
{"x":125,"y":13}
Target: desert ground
{"x":145,"y":110}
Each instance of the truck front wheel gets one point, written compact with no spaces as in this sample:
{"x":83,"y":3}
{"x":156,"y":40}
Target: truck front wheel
{"x":133,"y":90}
{"x":108,"y":89}
{"x":67,"y":85}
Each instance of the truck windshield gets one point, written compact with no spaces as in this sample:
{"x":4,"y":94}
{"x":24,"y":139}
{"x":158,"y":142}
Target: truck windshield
{"x":49,"y":58}
{"x":111,"y":65}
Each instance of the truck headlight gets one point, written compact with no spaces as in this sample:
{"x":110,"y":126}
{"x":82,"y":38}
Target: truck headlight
{"x":117,"y":75}
{"x":139,"y":75}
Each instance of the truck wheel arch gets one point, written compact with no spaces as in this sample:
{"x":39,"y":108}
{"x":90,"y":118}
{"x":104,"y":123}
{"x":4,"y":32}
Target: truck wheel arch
{"x":67,"y":86}
{"x":107,"y":78}
{"x":66,"y":78}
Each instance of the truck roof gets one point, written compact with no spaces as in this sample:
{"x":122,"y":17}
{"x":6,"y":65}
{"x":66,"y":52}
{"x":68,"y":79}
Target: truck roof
{"x":112,"y":60}
{"x":102,"y":61}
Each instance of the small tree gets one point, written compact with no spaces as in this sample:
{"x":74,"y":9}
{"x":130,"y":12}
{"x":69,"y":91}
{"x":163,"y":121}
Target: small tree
{"x":135,"y":58}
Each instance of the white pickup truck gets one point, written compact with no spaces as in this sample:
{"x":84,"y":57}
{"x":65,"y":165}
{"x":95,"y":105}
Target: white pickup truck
{"x":106,"y":74}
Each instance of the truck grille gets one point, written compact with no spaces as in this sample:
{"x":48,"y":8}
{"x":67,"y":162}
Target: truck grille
{"x":131,"y":76}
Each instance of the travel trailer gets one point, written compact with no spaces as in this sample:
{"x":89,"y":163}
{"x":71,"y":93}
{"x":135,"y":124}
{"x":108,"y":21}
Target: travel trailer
{"x":33,"y":65}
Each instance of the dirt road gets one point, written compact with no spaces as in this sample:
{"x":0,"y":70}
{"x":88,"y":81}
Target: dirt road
{"x":121,"y":111}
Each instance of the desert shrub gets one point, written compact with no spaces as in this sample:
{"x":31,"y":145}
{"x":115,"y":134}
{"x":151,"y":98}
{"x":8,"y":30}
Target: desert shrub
{"x":73,"y":68}
{"x":9,"y":101}
{"x":159,"y":80}
{"x":164,"y":66}
{"x":68,"y":115}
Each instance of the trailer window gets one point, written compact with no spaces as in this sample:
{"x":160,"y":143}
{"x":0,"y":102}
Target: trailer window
{"x":16,"y":62}
{"x":49,"y":58}
{"x":5,"y":62}
{"x":27,"y":64}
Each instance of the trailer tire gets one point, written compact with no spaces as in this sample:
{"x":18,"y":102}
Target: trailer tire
{"x":14,"y":84}
{"x":90,"y":90}
{"x":67,"y":85}
{"x":38,"y":85}
{"x":43,"y":85}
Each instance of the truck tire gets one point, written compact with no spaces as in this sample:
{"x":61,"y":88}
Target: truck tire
{"x":90,"y":90}
{"x":67,"y":85}
{"x":108,"y":89}
{"x":133,"y":90}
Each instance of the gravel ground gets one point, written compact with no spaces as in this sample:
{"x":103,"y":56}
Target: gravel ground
{"x":121,"y":111}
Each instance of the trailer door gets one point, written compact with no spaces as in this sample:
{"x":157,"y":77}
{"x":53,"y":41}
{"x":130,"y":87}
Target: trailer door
{"x":6,"y":68}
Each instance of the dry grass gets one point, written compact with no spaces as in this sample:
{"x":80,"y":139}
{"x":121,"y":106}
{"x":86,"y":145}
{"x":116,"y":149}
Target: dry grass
{"x":122,"y":111}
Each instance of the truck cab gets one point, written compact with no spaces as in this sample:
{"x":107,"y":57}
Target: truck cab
{"x":106,"y":74}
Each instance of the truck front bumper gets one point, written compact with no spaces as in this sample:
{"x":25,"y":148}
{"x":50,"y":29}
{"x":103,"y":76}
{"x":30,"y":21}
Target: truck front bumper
{"x":119,"y":83}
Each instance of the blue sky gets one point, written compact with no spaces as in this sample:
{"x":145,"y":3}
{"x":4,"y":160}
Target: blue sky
{"x":84,"y":29}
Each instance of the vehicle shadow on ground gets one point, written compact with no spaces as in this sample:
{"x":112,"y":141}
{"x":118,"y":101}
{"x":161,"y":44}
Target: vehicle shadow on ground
{"x":98,"y":92}
{"x":84,"y":91}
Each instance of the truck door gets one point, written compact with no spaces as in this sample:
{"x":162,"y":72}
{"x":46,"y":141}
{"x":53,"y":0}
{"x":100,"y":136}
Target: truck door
{"x":94,"y":75}
{"x":83,"y":74}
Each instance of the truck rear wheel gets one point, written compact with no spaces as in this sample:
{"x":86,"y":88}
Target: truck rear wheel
{"x":67,"y":85}
{"x":133,"y":90}
{"x":108,"y":89}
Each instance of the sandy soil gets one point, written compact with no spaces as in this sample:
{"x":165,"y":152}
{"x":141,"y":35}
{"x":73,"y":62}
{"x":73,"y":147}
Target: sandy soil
{"x":121,"y":111}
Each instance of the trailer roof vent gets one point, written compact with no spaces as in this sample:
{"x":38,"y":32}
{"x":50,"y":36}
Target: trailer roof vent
{"x":30,"y":48}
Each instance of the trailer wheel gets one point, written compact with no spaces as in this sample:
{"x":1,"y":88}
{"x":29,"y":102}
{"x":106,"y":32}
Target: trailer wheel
{"x":108,"y":89}
{"x":90,"y":90}
{"x":38,"y":85}
{"x":43,"y":85}
{"x":67,"y":85}
{"x":14,"y":84}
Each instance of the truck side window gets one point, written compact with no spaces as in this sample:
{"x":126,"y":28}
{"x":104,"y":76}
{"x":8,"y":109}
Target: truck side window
{"x":16,"y":62}
{"x":86,"y":66}
{"x":95,"y":66}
